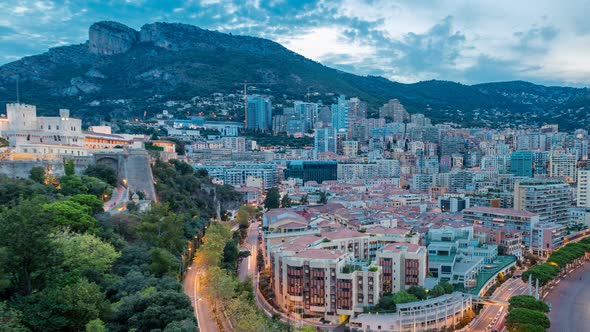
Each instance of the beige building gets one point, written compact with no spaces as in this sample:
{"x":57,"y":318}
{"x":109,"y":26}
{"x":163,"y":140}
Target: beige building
{"x":330,"y":274}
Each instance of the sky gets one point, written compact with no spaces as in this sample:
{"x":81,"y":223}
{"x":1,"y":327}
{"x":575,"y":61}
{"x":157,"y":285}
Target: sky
{"x":545,"y":42}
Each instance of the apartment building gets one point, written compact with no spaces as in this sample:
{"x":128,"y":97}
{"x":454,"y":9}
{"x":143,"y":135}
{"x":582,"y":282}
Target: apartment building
{"x":504,"y":220}
{"x":547,"y":237}
{"x":329,"y":274}
{"x":548,"y":198}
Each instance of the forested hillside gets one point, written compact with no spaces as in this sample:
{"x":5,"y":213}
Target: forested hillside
{"x":66,"y":266}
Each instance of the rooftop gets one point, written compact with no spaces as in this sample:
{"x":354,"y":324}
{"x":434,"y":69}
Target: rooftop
{"x":398,"y":247}
{"x":486,"y":209}
{"x":319,"y":254}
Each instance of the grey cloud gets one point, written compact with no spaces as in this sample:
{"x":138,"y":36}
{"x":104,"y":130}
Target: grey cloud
{"x":536,"y":39}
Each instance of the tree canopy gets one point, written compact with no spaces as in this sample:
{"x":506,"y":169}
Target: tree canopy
{"x":273,"y":198}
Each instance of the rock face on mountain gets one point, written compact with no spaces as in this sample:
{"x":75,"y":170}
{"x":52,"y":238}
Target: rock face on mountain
{"x":107,"y":38}
{"x":121,"y":72}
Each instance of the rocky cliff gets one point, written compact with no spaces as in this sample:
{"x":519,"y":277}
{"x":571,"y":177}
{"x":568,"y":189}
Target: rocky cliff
{"x":107,"y":38}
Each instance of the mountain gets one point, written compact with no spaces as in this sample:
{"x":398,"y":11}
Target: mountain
{"x":121,"y":72}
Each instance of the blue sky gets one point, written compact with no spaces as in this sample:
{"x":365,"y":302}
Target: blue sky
{"x":545,"y":42}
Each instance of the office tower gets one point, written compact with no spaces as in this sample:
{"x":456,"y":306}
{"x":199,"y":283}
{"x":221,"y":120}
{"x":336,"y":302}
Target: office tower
{"x":308,"y":114}
{"x":325,"y":140}
{"x":340,"y":115}
{"x":259,"y":113}
{"x":521,"y":163}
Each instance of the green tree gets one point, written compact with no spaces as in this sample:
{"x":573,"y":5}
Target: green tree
{"x":65,"y":308}
{"x":85,"y":302}
{"x":11,"y":319}
{"x":528,"y":302}
{"x":96,"y":325}
{"x":323,"y":198}
{"x":151,"y":309}
{"x":163,"y":263}
{"x":219,"y":285}
{"x":102,"y":172}
{"x":522,"y":316}
{"x":37,"y":174}
{"x":162,"y":228}
{"x":418,"y":291}
{"x":437,"y":291}
{"x":306,"y":328}
{"x":90,"y":201}
{"x":69,"y":168}
{"x":386,"y":303}
{"x":4,"y":273}
{"x":286,"y":201}
{"x":245,"y":316}
{"x":70,"y":214}
{"x":403,"y":297}
{"x":24,"y":235}
{"x":97,"y":187}
{"x":187,"y":325}
{"x":448,"y":287}
{"x":304,"y":200}
{"x":273,"y":197}
{"x":72,"y":185}
{"x":84,"y":254}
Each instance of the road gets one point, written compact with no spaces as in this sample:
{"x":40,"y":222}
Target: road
{"x":510,"y":288}
{"x":569,"y":302}
{"x":205,"y":321}
{"x":248,"y":265}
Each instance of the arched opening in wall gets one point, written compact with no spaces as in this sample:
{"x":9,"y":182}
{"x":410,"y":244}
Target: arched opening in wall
{"x":110,"y":162}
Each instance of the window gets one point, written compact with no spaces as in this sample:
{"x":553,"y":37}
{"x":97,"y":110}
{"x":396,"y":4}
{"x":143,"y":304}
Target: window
{"x":57,"y":127}
{"x":49,"y":127}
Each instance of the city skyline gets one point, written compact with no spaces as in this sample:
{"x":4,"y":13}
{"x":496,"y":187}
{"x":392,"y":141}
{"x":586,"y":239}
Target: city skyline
{"x":402,"y":41}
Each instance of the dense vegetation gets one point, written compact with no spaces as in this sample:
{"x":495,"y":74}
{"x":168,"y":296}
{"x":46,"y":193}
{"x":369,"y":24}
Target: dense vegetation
{"x":526,"y":314}
{"x":65,"y":266}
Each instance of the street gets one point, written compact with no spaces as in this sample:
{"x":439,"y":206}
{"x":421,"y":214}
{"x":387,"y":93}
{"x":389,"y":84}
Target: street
{"x":569,"y":302}
{"x":510,"y":288}
{"x":247,"y":266}
{"x":205,"y":321}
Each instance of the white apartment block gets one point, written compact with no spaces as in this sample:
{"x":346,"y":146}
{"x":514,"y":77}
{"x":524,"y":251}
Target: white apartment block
{"x":564,"y":166}
{"x":583,"y":188}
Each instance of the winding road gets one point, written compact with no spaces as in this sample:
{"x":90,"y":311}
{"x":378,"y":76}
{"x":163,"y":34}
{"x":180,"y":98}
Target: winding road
{"x":205,"y":321}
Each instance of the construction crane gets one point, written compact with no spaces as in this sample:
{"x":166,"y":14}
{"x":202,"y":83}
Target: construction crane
{"x":246,"y":84}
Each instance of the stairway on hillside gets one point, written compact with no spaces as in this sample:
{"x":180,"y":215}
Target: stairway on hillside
{"x":139,"y":173}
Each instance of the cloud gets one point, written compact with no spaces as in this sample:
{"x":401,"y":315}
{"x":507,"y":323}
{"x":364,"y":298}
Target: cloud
{"x":536,"y":39}
{"x":539,"y":40}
